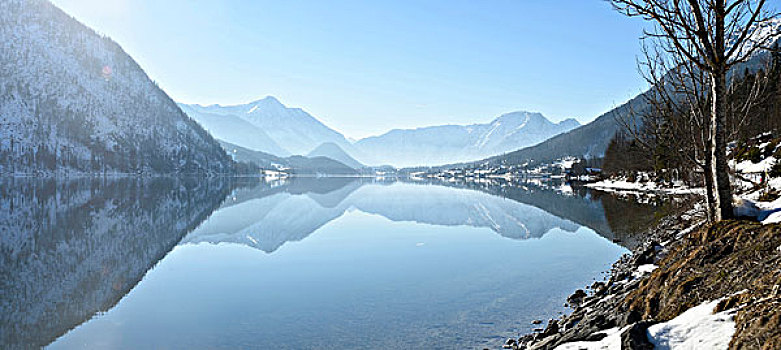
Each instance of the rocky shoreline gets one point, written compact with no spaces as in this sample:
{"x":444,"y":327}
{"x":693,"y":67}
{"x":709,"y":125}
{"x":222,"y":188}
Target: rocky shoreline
{"x":682,"y":263}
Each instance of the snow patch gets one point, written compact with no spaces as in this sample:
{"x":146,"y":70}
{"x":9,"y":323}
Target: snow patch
{"x":647,"y":268}
{"x":697,"y":328}
{"x":623,"y":186}
{"x":773,"y":218}
{"x":748,"y":167}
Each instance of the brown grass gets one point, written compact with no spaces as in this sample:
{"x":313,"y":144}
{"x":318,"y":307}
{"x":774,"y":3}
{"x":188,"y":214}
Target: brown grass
{"x":717,"y":262}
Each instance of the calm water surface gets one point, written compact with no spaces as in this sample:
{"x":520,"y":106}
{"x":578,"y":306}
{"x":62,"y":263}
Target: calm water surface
{"x":307,"y":263}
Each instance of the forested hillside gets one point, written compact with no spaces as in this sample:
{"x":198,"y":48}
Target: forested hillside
{"x":72,"y":100}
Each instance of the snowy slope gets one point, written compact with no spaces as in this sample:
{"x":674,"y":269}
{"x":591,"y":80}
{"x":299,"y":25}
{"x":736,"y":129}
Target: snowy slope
{"x":233,"y":129}
{"x":458,"y":143}
{"x":71,"y":99}
{"x":291,"y":128}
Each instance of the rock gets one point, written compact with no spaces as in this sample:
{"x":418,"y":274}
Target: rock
{"x":576,"y":298}
{"x":551,"y":329}
{"x":525,"y":340}
{"x":537,"y":322}
{"x":636,"y":337}
{"x":599,"y":288}
{"x":647,"y":254}
{"x":631,"y":317}
{"x":595,"y":337}
{"x":510,"y":344}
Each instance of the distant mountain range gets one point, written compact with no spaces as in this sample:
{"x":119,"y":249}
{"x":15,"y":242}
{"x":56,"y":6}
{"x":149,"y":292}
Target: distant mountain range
{"x":456,"y":143}
{"x":282,"y":131}
{"x":291,"y":129}
{"x":588,"y":141}
{"x":233,"y":129}
{"x":72,"y":100}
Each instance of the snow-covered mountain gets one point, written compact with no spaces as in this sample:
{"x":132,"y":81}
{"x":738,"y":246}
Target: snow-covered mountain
{"x":230,"y":128}
{"x":333,"y":151}
{"x":298,"y":132}
{"x":457,"y":143}
{"x":73,"y":100}
{"x":291,"y":128}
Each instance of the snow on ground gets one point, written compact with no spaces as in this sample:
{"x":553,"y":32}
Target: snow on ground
{"x":611,"y":342}
{"x":623,"y":186}
{"x":747,"y":167}
{"x":773,"y":218}
{"x":697,"y":328}
{"x":646,"y":269}
{"x":765,"y":212}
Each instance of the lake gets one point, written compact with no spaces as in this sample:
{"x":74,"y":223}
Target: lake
{"x":327,"y":263}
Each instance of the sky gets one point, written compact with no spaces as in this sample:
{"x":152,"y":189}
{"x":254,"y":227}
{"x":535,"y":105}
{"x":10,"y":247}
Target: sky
{"x":365,"y":67}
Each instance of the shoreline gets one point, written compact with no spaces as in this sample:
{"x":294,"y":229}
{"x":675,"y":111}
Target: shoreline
{"x":683,"y":264}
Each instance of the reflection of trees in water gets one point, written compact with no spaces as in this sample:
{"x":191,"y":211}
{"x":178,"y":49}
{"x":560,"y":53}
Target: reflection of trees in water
{"x":617,"y":218}
{"x":629,"y":218}
{"x":71,"y":249}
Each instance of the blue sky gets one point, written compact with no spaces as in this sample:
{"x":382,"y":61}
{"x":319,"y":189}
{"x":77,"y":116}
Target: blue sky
{"x":364,"y":67}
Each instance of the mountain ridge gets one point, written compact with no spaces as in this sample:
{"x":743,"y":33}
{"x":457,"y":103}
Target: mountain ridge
{"x":293,"y":129}
{"x":453,"y":143}
{"x":333,"y":151}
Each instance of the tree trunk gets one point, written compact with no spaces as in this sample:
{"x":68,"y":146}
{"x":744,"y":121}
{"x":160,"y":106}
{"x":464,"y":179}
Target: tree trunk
{"x":722,"y":190}
{"x":710,"y":200}
{"x":718,"y":148}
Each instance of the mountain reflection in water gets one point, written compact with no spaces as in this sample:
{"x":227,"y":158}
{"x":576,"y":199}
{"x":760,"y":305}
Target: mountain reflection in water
{"x":267,"y":217}
{"x":74,"y":249}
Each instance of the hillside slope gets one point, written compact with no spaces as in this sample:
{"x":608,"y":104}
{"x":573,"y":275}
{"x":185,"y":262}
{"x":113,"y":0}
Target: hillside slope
{"x":299,"y":165}
{"x":236,"y":130}
{"x":589,"y":140}
{"x":291,"y":128}
{"x":333,"y":151}
{"x":73,"y":100}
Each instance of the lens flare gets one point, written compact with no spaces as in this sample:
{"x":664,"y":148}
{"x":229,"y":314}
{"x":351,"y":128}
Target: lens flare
{"x":107,"y":72}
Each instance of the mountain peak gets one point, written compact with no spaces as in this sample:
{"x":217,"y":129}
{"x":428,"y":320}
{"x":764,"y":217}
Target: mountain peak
{"x":520,"y":118}
{"x":266,"y":102}
{"x":570,"y":123}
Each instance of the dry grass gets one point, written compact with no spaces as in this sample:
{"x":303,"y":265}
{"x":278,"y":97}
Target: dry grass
{"x":716,"y":262}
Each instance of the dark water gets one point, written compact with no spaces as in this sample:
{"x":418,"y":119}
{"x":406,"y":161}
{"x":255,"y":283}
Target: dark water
{"x":307,"y":263}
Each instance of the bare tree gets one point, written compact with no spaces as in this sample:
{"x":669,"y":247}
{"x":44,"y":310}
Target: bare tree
{"x":701,"y":40}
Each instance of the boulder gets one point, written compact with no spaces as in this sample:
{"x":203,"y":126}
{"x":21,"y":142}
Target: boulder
{"x":636,"y":337}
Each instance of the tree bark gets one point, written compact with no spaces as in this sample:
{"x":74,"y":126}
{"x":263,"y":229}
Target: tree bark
{"x":710,"y":200}
{"x":721,"y":181}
